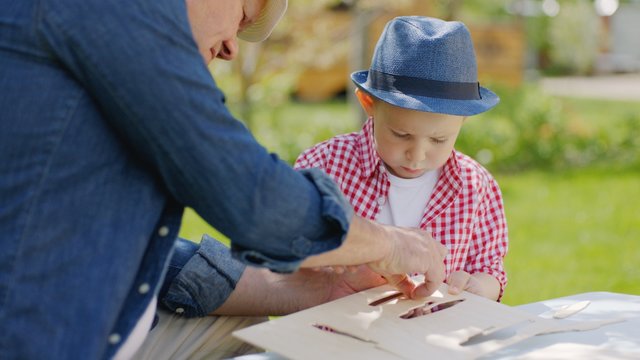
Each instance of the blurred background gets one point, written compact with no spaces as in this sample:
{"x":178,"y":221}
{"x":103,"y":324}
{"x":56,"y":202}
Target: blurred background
{"x":564,"y":143}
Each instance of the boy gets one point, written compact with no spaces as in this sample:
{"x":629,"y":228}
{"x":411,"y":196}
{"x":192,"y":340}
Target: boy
{"x":401,"y":168}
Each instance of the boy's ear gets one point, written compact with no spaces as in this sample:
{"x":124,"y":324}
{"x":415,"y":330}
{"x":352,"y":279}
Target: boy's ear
{"x":366,"y":101}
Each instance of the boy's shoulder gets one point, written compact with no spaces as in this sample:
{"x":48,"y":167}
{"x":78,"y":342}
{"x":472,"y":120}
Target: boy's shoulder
{"x":340,"y":143}
{"x":345,"y":146}
{"x":471,"y":170}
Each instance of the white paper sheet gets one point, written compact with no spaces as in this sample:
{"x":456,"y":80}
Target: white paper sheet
{"x":378,"y":332}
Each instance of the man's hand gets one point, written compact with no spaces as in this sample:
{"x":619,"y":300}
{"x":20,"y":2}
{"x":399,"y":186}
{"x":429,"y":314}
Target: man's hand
{"x":412,"y":250}
{"x":355,"y":279}
{"x":391,"y":252}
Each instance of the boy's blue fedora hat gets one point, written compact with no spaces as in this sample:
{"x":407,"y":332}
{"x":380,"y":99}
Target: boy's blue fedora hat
{"x":426,"y":64}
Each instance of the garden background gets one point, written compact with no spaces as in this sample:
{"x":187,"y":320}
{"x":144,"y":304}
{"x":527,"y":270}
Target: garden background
{"x":568,"y":166}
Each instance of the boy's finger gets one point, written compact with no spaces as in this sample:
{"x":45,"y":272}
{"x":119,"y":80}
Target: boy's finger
{"x":458,"y":282}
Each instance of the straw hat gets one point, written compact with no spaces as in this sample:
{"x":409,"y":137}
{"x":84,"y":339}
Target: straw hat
{"x":266,"y":21}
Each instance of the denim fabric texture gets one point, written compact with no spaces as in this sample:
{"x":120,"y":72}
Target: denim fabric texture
{"x":204,"y":281}
{"x":183,"y":251}
{"x":110,"y":123}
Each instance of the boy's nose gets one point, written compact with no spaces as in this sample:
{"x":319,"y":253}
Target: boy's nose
{"x":417,"y":154}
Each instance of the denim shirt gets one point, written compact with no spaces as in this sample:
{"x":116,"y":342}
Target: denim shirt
{"x":110,"y":124}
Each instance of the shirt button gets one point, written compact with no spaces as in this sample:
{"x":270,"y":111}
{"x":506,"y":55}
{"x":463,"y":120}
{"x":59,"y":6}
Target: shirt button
{"x":163,"y":231}
{"x":114,"y":338}
{"x":381,"y":200}
{"x":179,"y":310}
{"x":144,"y":288}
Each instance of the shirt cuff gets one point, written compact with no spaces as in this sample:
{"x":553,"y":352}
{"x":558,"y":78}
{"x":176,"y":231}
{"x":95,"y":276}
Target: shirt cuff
{"x":205,"y":281}
{"x":321,"y":236}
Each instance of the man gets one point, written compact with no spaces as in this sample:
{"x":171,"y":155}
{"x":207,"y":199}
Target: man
{"x":111,"y":124}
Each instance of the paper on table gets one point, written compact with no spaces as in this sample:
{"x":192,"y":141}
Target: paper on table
{"x":378,"y":332}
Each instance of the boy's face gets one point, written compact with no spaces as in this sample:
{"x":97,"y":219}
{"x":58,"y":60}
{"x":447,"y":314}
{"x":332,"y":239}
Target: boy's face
{"x":411,"y":142}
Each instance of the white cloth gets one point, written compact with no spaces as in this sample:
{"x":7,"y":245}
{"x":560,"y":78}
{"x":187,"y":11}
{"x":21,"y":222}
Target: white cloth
{"x":407,"y":199}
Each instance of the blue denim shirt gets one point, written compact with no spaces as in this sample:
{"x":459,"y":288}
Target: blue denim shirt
{"x":110,"y":124}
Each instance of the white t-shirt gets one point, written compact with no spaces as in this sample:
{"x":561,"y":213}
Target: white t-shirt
{"x":407,"y":199}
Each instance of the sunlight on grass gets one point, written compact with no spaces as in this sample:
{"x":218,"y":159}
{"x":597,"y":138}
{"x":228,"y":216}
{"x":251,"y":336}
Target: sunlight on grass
{"x":571,"y":233}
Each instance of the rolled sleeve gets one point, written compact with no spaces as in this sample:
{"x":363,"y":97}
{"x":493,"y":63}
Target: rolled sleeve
{"x":205,"y":281}
{"x":323,"y":233}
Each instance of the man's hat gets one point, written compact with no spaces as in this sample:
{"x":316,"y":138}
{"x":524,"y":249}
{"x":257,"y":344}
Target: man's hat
{"x":266,"y":21}
{"x":426,"y":64}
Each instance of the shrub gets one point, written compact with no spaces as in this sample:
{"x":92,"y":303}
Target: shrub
{"x":530,"y":129}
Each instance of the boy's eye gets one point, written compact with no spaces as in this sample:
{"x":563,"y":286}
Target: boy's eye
{"x":438,"y":140}
{"x":399,"y":135}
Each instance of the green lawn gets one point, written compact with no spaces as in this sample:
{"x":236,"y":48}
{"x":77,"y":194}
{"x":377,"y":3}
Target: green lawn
{"x":569,"y":233}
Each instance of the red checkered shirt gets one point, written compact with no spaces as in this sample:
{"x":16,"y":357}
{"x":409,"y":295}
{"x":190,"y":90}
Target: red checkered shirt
{"x":465,"y":211}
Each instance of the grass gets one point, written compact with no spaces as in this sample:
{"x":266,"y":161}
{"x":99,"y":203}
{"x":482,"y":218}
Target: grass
{"x":571,"y":232}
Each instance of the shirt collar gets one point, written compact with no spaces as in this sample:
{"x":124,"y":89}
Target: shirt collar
{"x":370,"y":160}
{"x":451,"y":172}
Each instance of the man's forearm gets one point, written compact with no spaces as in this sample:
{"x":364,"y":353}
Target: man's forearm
{"x":261,"y":292}
{"x":364,"y":243}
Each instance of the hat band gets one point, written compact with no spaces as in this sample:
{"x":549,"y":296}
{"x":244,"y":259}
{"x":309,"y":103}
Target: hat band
{"x":424,"y":87}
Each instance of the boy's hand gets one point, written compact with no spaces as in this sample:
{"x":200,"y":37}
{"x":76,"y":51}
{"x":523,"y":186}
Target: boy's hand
{"x":462,"y":280}
{"x":479,"y":283}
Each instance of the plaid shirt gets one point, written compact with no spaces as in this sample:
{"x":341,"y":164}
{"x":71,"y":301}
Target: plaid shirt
{"x":465,"y":211}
